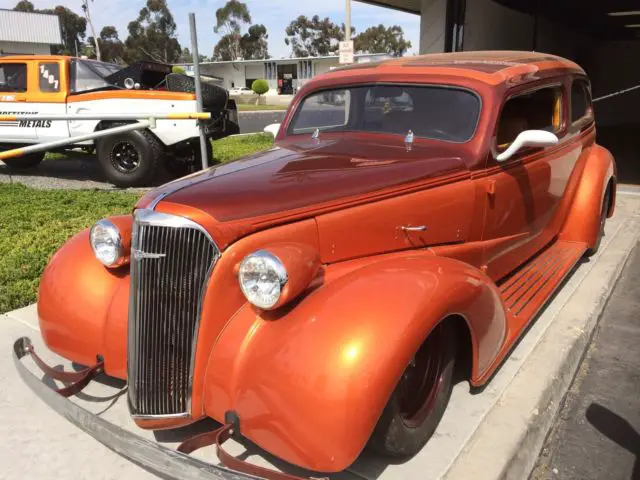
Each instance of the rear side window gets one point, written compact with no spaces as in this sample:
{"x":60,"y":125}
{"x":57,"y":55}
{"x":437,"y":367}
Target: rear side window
{"x":13,"y":77}
{"x":580,"y":100}
{"x":49,"y":77}
{"x":539,"y":110}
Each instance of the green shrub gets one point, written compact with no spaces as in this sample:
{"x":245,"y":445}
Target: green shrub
{"x":260,"y":86}
{"x":178,"y":69}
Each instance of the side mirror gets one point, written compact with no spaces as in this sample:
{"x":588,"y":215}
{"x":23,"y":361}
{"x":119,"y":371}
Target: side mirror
{"x":273,"y":129}
{"x":528,"y":138}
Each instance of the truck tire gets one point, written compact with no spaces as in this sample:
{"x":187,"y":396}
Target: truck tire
{"x":26,"y":161}
{"x":420,"y":398}
{"x":130,"y":159}
{"x":187,"y":159}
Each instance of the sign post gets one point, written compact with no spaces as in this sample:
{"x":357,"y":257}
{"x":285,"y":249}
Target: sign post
{"x":346,"y":52}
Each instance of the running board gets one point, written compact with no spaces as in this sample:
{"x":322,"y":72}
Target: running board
{"x":527,"y":291}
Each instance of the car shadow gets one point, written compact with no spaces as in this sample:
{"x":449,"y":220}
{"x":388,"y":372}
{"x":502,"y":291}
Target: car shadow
{"x":618,"y":430}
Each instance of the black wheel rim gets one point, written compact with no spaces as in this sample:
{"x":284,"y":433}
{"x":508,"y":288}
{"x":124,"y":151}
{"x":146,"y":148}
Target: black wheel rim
{"x":125,"y":157}
{"x":422,"y":380}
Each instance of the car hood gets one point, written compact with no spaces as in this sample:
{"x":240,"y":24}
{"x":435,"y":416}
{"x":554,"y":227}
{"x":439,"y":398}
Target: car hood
{"x":305,"y":177}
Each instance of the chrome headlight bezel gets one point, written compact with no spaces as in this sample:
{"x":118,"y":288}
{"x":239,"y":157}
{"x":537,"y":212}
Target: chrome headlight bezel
{"x":111,"y":252}
{"x":269,"y":264}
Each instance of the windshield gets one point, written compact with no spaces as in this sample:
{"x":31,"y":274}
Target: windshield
{"x":90,"y":75}
{"x":442,"y":113}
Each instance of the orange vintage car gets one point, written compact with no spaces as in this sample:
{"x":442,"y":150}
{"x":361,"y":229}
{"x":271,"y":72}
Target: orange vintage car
{"x":315,"y":298}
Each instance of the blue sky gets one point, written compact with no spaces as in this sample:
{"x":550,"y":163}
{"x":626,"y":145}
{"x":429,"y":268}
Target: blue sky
{"x":275,"y":14}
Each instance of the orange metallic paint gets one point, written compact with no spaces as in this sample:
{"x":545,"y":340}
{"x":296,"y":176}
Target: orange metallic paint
{"x":367,"y":323}
{"x":310,"y":379}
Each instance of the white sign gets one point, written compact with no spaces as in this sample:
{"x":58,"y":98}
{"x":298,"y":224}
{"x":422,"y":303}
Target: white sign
{"x":346,"y":52}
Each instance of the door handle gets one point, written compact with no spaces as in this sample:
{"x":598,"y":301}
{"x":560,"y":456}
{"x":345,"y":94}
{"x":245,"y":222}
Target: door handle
{"x":419,"y":228}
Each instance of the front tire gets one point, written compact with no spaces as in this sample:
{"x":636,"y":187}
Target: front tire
{"x":420,"y":398}
{"x":130,"y":159}
{"x":26,"y":161}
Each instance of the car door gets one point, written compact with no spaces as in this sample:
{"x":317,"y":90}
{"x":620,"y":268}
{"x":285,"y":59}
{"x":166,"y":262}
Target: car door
{"x":525,"y":191}
{"x":14,"y":99}
{"x":51,"y":98}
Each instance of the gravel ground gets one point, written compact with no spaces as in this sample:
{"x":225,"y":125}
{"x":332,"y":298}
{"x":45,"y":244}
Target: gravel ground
{"x":73,"y":172}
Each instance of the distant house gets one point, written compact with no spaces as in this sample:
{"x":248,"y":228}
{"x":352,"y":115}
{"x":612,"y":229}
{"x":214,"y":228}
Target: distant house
{"x":23,"y":33}
{"x":285,"y":75}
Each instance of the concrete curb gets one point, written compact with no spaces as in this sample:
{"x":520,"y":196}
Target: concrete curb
{"x":507,"y":443}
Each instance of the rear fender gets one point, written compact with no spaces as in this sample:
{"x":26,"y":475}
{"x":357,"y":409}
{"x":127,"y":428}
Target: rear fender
{"x":583,"y":222}
{"x":310,"y":382}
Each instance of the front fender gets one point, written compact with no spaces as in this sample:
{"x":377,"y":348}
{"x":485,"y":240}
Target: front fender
{"x":310,"y":383}
{"x":82,"y":306}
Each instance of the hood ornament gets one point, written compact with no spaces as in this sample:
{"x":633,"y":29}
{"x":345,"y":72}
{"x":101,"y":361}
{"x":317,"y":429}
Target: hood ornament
{"x":408,"y":140}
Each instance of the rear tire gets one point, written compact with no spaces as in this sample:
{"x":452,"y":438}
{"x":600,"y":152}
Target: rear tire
{"x":130,"y":159}
{"x":419,"y":400}
{"x":26,"y":161}
{"x":603,"y":218}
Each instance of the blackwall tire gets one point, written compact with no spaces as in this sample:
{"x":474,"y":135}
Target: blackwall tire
{"x":130,"y":159}
{"x":26,"y":161}
{"x":404,"y":426}
{"x":603,"y":219}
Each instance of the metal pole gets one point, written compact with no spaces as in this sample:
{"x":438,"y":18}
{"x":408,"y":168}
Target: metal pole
{"x":347,"y":22}
{"x":196,"y":73}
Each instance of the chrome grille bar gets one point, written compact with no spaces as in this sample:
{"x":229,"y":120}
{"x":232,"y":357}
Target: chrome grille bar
{"x":171,"y":262}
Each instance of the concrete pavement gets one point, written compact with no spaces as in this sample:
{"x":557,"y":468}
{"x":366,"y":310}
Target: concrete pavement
{"x":252,"y":122}
{"x":482,"y":435}
{"x":597,"y":433}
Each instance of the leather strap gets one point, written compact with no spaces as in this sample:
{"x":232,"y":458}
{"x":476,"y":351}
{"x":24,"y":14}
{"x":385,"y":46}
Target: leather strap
{"x":218,"y":437}
{"x":78,"y":380}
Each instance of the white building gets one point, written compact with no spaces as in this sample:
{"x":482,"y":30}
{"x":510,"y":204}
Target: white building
{"x":284,"y":75}
{"x":23,"y":33}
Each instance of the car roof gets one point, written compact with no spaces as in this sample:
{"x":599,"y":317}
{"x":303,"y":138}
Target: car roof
{"x":493,"y":68}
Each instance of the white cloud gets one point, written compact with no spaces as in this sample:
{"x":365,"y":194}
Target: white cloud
{"x":276,"y":15}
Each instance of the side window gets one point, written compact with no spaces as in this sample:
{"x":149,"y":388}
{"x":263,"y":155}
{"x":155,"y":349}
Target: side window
{"x":538,"y":110}
{"x":580,"y":100}
{"x":49,"y":77}
{"x":13,"y":77}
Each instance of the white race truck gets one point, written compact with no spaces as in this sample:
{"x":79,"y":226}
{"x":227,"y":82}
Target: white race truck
{"x":58,"y":85}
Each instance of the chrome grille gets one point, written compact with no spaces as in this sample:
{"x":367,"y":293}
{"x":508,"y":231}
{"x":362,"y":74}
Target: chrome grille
{"x":171,"y":260}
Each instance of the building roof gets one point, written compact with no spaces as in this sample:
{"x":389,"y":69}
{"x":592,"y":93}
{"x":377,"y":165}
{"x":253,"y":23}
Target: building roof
{"x":372,"y":56}
{"x":409,"y":6}
{"x":491,"y":67}
{"x":24,"y":27}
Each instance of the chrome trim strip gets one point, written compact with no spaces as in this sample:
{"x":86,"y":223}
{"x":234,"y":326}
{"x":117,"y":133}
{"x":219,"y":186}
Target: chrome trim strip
{"x":152,"y":218}
{"x":153,"y":457}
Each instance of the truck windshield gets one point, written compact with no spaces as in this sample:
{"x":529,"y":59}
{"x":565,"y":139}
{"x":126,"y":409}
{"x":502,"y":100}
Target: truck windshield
{"x":90,"y":75}
{"x":436,"y":112}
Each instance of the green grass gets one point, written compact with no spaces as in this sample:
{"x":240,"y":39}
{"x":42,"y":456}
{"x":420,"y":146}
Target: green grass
{"x":35,"y":223}
{"x":247,"y":107}
{"x":232,"y":148}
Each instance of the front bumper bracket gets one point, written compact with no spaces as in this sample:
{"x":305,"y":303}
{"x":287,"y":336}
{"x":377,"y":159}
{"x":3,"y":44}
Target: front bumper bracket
{"x":151,"y":456}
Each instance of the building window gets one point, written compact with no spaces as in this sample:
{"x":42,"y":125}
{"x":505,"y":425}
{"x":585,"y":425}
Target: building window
{"x":580,"y":100}
{"x":13,"y":77}
{"x":539,"y":110}
{"x":49,"y":77}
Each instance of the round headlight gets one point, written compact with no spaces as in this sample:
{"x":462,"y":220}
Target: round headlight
{"x":106,"y":243}
{"x":262,"y":277}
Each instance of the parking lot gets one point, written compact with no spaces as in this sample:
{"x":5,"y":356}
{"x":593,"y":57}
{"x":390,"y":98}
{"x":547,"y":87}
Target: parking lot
{"x":484,"y":434}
